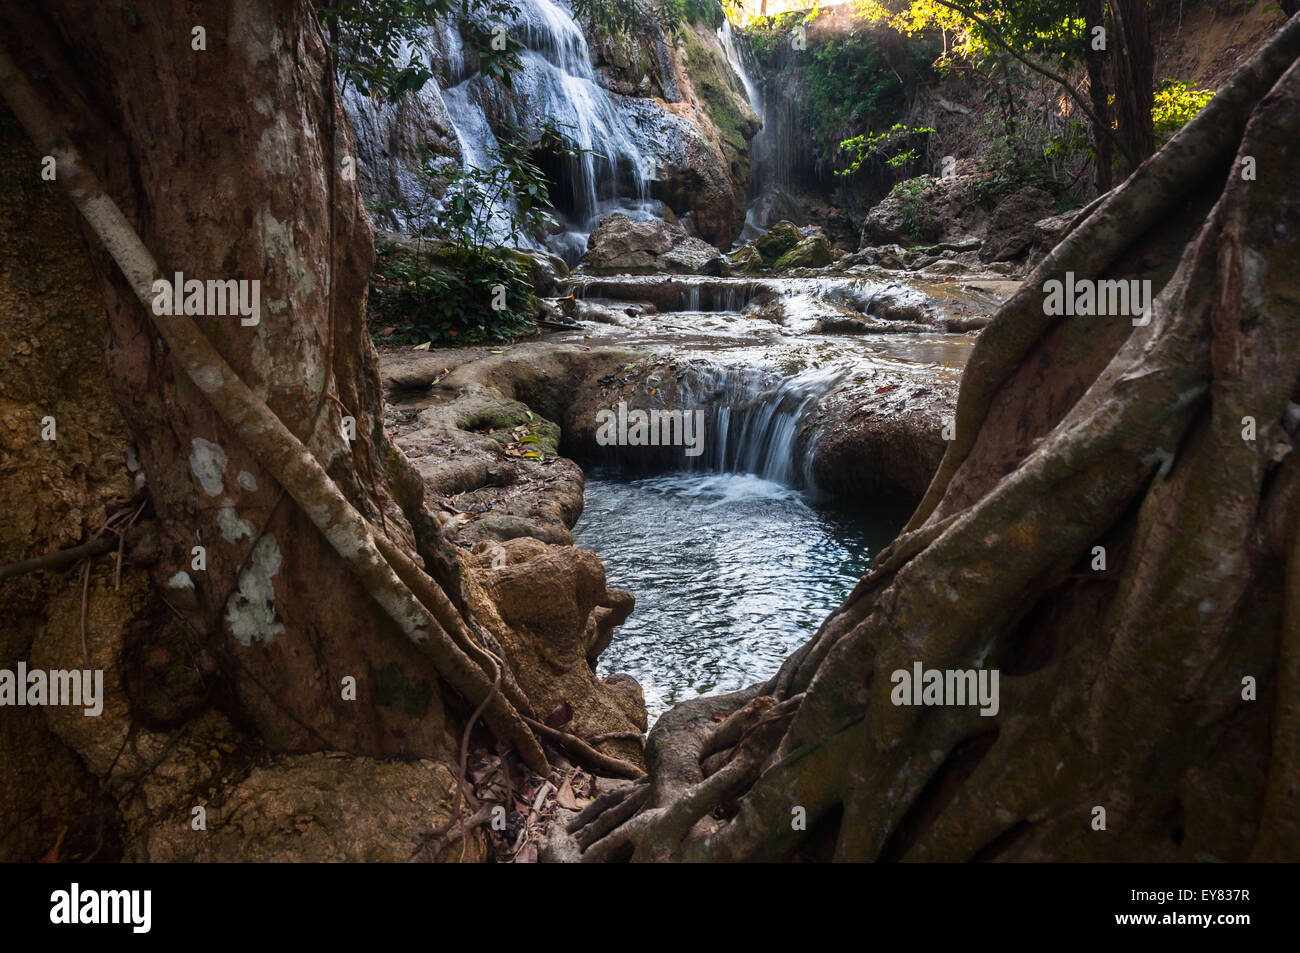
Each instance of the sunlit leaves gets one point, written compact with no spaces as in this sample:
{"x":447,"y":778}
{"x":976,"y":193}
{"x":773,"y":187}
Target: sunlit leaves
{"x":1175,"y":105}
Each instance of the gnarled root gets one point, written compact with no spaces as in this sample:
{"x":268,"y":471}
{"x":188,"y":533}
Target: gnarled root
{"x":1121,"y":692}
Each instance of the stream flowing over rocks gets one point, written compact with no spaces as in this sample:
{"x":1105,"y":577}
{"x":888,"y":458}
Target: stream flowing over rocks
{"x":821,"y":397}
{"x":602,"y":375}
{"x":817,"y":379}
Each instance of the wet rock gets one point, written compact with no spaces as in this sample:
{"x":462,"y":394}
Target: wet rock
{"x":688,"y":110}
{"x":783,"y":246}
{"x":882,"y":438}
{"x":892,"y":257}
{"x":603,"y":312}
{"x":946,"y":266}
{"x":620,"y":245}
{"x":745,"y":260}
{"x":1011,"y":226}
{"x":390,"y":138}
{"x":544,"y":269}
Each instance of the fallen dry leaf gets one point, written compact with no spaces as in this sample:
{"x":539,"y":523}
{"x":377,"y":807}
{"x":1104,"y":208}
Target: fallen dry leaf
{"x":561,"y":715}
{"x":564,"y":797}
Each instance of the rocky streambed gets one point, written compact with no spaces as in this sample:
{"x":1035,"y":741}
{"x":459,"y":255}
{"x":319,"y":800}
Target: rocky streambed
{"x":818,"y":399}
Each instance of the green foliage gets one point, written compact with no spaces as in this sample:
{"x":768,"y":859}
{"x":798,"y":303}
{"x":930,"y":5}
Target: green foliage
{"x":630,"y":16}
{"x":884,"y":147}
{"x":382,"y":46}
{"x":852,"y":80}
{"x":447,"y":294}
{"x":915,"y":208}
{"x":1047,"y":30}
{"x":1023,"y":152}
{"x":767,"y":34}
{"x":849,"y":80}
{"x":468,"y":208}
{"x":1175,"y":105}
{"x":463,"y":283}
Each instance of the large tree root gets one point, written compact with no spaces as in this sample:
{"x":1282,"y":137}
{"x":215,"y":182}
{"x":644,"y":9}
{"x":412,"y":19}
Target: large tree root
{"x":1122,"y":688}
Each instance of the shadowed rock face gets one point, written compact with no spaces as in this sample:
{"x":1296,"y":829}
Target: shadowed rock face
{"x":928,"y":210}
{"x":1010,"y":229}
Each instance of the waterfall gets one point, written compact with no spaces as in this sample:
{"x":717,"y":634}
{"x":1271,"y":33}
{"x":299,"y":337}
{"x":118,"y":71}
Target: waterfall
{"x":754,"y":422}
{"x":728,"y":40}
{"x":556,"y":83}
{"x":771,"y":151}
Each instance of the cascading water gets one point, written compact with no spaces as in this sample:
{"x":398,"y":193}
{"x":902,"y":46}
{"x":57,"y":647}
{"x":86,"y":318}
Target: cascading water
{"x":554,"y":84}
{"x":754,"y":424}
{"x":771,"y":151}
{"x":733,"y":565}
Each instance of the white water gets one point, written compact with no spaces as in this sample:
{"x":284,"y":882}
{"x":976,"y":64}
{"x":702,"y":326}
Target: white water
{"x":731,"y":573}
{"x":755,"y":418}
{"x":555,"y":83}
{"x":734,"y":60}
{"x":769,"y":200}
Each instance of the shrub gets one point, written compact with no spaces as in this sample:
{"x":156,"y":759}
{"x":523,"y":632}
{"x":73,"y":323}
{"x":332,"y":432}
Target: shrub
{"x":450,"y":295}
{"x":1175,"y":105}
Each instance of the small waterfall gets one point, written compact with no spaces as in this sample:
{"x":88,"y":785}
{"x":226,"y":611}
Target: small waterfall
{"x":772,"y":155}
{"x":728,"y":40}
{"x":754,"y":421}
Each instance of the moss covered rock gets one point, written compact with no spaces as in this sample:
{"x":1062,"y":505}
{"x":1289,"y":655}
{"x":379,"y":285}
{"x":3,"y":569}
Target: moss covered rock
{"x":813,"y":252}
{"x":779,"y":239}
{"x":745,"y":260}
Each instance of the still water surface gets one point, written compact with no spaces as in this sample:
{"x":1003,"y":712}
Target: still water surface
{"x":731,"y":573}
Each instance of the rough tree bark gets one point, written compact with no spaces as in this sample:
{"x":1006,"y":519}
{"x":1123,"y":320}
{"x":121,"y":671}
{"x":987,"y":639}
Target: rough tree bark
{"x":207,"y":140}
{"x":1121,"y":687}
{"x":1099,"y":94}
{"x":1133,"y":71}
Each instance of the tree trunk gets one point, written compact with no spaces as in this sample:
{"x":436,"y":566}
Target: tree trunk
{"x":218,"y":135}
{"x":1133,"y":63}
{"x":1126,"y":682}
{"x":1099,"y":93}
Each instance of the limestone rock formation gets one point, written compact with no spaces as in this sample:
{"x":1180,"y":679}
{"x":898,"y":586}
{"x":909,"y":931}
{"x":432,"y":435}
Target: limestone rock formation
{"x":624,"y":246}
{"x":928,"y":210}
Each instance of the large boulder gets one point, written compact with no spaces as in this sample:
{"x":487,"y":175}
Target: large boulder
{"x":813,"y":252}
{"x":881,"y":438}
{"x":777,"y":240}
{"x":784,"y":245}
{"x":553,"y":615}
{"x":621,"y":245}
{"x":1011,"y":226}
{"x":925,"y":210}
{"x":745,"y":260}
{"x":1048,"y":233}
